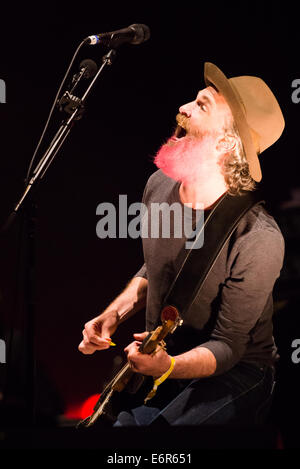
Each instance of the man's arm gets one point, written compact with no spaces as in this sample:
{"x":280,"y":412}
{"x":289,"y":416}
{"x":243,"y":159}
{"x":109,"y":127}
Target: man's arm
{"x":244,"y":295}
{"x":131,"y":300}
{"x":196,"y":363}
{"x":97,"y":332}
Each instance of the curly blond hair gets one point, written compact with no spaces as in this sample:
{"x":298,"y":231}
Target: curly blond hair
{"x":234,"y":165}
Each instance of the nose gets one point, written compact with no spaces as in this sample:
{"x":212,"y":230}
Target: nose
{"x":185,"y":110}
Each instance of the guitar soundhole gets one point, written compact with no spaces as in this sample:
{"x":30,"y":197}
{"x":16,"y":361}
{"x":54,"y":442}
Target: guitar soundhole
{"x":169,"y":313}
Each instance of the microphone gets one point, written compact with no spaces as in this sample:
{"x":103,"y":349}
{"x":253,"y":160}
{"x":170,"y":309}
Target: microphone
{"x":134,"y":34}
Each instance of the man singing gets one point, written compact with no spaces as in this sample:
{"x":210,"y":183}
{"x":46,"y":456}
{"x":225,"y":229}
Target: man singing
{"x":220,"y":362}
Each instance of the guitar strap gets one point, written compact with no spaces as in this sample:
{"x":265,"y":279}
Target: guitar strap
{"x":218,"y":227}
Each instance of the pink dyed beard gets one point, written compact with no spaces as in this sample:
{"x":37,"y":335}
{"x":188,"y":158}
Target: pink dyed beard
{"x":183,"y":160}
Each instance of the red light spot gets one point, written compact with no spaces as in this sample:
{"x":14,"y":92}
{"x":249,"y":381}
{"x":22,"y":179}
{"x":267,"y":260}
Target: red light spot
{"x":88,"y":406}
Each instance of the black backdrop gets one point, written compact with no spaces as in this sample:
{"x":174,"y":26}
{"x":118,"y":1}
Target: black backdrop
{"x":129,"y":114}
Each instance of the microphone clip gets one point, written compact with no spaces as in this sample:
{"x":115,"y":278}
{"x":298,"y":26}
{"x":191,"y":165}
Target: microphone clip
{"x":69,"y":103}
{"x":109,"y":57}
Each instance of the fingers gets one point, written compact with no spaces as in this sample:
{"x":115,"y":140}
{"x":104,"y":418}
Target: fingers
{"x":140,"y":335}
{"x":85,"y":349}
{"x":132,"y":349}
{"x":132,"y":366}
{"x":94,"y":338}
{"x":132,"y":352}
{"x":148,"y":364}
{"x":92,"y":341}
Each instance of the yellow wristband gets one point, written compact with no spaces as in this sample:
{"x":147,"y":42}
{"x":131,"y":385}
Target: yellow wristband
{"x":160,"y":380}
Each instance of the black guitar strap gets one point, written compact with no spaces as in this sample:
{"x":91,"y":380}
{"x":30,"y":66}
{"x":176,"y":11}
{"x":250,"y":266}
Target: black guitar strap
{"x":218,"y":227}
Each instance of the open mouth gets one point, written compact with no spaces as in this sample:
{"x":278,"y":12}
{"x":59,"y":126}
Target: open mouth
{"x":180,"y":132}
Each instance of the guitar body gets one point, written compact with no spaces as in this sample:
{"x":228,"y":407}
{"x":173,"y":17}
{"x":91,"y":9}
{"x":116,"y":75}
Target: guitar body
{"x":109,"y":404}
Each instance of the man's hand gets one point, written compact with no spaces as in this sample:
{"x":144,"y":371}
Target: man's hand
{"x":152,"y":365}
{"x":97,"y":332}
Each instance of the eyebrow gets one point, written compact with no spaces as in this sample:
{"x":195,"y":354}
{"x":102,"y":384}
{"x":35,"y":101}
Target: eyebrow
{"x":210,"y":90}
{"x":205,"y":99}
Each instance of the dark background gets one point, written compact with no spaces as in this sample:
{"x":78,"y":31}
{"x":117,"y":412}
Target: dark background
{"x":129,"y":115}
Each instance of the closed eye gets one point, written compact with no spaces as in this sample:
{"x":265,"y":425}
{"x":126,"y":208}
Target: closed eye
{"x":202,"y":106}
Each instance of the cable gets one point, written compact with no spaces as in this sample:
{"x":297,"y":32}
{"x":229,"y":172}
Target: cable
{"x":51,"y":111}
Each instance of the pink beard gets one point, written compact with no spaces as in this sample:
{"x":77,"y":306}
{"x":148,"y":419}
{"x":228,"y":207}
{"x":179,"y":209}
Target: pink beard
{"x":183,"y":159}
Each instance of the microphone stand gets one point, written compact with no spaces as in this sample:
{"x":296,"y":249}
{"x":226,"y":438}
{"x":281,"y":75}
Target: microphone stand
{"x":75,"y":107}
{"x":78,"y":105}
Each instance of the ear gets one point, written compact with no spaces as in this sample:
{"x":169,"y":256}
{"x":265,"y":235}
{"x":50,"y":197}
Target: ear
{"x":226,"y":143}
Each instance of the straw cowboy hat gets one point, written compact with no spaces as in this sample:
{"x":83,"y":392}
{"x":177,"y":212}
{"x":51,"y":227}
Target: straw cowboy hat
{"x":255,"y":111}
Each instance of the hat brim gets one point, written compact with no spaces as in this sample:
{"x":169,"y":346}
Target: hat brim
{"x":214,"y":76}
